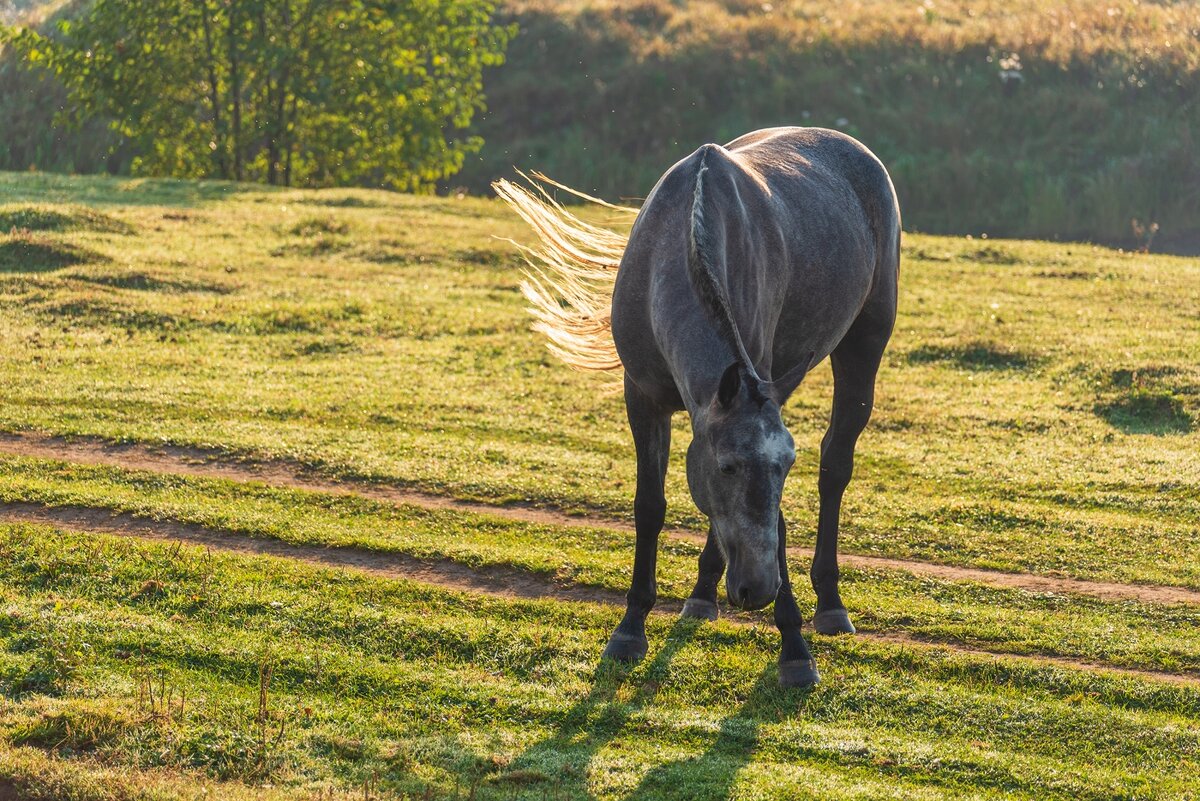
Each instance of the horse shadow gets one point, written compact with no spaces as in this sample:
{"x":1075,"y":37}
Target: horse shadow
{"x":560,"y":761}
{"x":562,"y":758}
{"x":711,"y":775}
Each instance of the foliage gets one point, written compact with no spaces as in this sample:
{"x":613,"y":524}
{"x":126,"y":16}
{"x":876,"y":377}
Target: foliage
{"x":1063,"y":120}
{"x":376,"y":92}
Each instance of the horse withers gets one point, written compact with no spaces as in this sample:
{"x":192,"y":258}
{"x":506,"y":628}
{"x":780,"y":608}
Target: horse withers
{"x":746,"y":266}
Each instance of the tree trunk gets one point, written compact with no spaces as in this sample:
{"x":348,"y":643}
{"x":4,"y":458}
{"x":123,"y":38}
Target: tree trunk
{"x":289,"y":133}
{"x":235,"y":92}
{"x":221,"y":152}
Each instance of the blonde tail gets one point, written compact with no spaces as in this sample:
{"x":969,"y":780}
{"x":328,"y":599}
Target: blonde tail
{"x":571,"y":273}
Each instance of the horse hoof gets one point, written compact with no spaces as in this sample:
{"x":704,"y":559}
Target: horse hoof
{"x":699,"y":609}
{"x":798,"y":673}
{"x":833,"y":621}
{"x":625,"y":648}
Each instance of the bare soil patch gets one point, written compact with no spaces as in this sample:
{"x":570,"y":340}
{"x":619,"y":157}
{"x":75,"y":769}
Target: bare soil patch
{"x":493,"y":582}
{"x":211,"y":464}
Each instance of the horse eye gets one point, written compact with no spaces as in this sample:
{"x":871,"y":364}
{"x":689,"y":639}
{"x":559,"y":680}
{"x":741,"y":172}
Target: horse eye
{"x":728,"y":469}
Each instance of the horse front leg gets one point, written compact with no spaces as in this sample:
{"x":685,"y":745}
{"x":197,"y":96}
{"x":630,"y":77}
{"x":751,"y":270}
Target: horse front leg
{"x":651,"y":428}
{"x":702,"y":603}
{"x":797,"y":668}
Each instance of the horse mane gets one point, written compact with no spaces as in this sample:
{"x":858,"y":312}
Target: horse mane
{"x":569,"y":283}
{"x":704,"y":276}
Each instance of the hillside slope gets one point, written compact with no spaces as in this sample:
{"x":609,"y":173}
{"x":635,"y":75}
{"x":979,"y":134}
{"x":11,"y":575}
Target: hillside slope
{"x":1022,"y":118}
{"x":284,"y":494}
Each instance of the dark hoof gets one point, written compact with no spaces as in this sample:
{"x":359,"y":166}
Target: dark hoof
{"x":833,"y":621}
{"x":699,"y":609}
{"x":625,"y":648}
{"x":798,"y":673}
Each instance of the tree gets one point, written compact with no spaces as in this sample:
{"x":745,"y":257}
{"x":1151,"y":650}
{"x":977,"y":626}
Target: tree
{"x":313,"y":92}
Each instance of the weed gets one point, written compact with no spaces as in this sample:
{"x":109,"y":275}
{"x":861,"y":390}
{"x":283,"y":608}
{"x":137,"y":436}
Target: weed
{"x":145,"y":282}
{"x":314,"y":227}
{"x":50,"y":218}
{"x":1146,"y":411}
{"x":83,"y":728}
{"x":59,"y":655}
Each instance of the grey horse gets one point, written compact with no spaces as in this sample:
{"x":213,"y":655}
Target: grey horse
{"x":746,"y":266}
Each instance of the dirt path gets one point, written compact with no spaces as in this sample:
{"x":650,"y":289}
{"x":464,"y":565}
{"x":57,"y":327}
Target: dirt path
{"x":493,"y":581}
{"x":290,"y":475}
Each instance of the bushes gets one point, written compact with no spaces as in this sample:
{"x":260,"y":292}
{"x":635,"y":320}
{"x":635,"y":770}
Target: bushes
{"x":1097,"y":130}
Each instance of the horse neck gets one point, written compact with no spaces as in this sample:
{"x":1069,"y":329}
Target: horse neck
{"x":697,"y":356}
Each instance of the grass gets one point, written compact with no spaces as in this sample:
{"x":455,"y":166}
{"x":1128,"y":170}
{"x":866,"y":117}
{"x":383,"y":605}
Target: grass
{"x":412,"y":689}
{"x":1122,"y":634}
{"x":405,"y":357}
{"x":399,"y":352}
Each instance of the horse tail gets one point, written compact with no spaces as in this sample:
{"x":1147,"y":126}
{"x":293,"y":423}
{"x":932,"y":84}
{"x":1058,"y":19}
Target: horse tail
{"x":569,"y":283}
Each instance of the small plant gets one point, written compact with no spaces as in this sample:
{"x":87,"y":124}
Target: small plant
{"x":59,"y":655}
{"x":271,"y":727}
{"x":158,"y":699}
{"x":1011,"y":76}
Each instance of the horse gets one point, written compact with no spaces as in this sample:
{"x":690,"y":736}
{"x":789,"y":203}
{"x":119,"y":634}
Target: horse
{"x":747,"y":265}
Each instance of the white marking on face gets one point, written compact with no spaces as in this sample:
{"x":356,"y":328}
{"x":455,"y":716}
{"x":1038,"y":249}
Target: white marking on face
{"x":776,"y":446}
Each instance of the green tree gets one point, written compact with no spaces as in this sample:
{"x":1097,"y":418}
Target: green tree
{"x":311,"y":92}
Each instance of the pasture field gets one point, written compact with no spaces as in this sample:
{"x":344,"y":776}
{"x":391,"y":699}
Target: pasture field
{"x":293,"y":505}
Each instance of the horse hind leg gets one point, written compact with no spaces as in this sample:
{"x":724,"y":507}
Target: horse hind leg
{"x":855,"y":364}
{"x":651,"y":428}
{"x":702,"y":603}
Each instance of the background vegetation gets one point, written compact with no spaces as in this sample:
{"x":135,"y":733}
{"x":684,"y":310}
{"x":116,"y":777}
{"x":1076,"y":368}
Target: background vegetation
{"x":1066,"y":120}
{"x":288,"y":91}
{"x":1007,"y":117}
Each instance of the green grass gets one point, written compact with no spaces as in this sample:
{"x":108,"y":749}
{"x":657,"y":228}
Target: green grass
{"x":405,"y":356}
{"x":413,"y":688}
{"x":1036,"y":412}
{"x":1123,"y":634}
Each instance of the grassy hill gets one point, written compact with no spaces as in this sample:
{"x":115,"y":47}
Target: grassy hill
{"x":304,"y":389}
{"x":1065,"y":120}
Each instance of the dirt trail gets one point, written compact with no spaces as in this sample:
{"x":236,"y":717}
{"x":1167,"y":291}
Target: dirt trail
{"x":492,"y":581}
{"x":211,"y":464}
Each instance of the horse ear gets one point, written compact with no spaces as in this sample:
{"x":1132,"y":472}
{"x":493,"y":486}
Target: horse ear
{"x":731,"y":382}
{"x":781,"y":388}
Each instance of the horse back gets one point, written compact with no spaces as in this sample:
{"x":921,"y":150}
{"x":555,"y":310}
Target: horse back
{"x":806,"y":228}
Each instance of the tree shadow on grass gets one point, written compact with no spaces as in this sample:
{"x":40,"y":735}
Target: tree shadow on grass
{"x":711,"y":775}
{"x":559,"y":762}
{"x":104,"y":190}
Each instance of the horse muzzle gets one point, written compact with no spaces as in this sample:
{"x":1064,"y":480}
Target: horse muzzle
{"x":752,"y":589}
